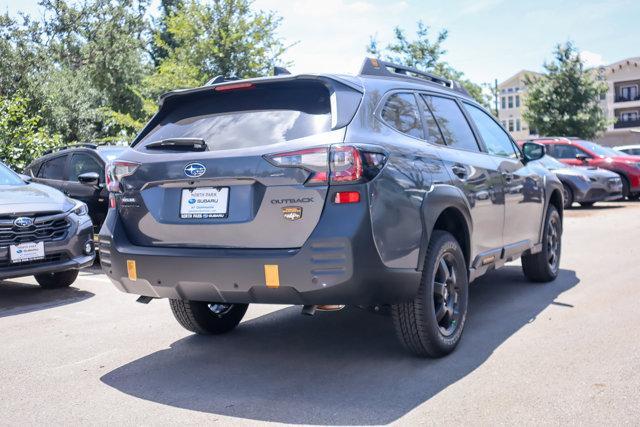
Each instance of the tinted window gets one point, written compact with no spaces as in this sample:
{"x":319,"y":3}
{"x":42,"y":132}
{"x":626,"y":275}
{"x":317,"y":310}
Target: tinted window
{"x":401,"y":113}
{"x":561,"y":151}
{"x":53,"y":169}
{"x":431,"y":129}
{"x":262,"y":115}
{"x":8,"y":177}
{"x":454,"y":126}
{"x":83,"y":163}
{"x":495,"y":139}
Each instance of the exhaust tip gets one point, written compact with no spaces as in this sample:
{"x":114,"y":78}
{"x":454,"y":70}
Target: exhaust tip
{"x":330,"y":307}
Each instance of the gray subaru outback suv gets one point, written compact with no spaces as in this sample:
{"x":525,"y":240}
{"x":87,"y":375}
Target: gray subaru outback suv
{"x":390,"y":188}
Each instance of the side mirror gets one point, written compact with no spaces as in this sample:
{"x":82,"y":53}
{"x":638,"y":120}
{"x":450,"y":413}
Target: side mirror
{"x":582,"y":157}
{"x":533,"y":151}
{"x":89,"y":178}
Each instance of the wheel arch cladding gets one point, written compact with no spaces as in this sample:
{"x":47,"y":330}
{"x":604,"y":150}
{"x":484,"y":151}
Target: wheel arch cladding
{"x":446,"y":210}
{"x":556,"y":200}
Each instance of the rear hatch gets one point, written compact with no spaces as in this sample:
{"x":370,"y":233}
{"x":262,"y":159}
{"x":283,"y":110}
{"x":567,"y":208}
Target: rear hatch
{"x":209,"y":173}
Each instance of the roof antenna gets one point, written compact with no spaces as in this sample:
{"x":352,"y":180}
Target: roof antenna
{"x":280,"y":71}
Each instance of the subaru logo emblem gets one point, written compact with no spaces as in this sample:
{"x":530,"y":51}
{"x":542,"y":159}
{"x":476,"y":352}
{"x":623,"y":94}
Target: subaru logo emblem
{"x":194,"y":170}
{"x":23,"y":222}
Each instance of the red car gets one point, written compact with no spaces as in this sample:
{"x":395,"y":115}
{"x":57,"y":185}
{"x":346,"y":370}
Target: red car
{"x":578,"y":152}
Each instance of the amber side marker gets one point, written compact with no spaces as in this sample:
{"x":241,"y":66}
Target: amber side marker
{"x":271,"y":276}
{"x":131,"y":270}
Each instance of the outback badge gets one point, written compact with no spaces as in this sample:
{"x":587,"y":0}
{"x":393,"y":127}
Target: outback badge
{"x":292,"y":213}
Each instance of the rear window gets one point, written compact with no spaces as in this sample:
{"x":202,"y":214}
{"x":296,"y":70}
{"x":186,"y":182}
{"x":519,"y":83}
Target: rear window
{"x":263,"y":115}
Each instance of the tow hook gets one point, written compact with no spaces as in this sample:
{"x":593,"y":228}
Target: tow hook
{"x":143,"y":299}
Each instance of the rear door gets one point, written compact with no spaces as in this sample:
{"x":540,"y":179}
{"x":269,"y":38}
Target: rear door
{"x":260,"y":181}
{"x":523,"y":188}
{"x":80,"y":163}
{"x":567,"y":153}
{"x":474,"y":172}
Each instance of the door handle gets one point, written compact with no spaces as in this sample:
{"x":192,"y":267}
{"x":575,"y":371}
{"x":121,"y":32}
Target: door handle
{"x":459,"y":171}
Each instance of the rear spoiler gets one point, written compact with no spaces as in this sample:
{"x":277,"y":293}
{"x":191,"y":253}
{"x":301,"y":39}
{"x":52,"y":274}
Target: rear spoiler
{"x":346,"y":96}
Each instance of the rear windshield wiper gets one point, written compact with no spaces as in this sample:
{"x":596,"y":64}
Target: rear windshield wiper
{"x":178,"y":144}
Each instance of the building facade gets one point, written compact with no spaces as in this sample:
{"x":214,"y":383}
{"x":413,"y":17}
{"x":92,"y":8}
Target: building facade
{"x":622,"y":102}
{"x":511,"y":95}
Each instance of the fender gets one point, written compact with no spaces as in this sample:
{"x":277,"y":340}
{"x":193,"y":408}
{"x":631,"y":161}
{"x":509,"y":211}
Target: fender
{"x":439,"y":198}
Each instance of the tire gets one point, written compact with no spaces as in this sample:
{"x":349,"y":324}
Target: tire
{"x":545,"y":265}
{"x":625,"y":187}
{"x":567,"y":196}
{"x":416,"y":322}
{"x":206,"y":318}
{"x":586,"y":204}
{"x":634,"y":196}
{"x":60,"y":279}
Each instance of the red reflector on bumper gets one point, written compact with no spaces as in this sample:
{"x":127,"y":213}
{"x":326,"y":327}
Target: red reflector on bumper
{"x":347,"y":197}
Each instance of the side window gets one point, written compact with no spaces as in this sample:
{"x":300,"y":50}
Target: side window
{"x":431,"y":129}
{"x":53,"y":169}
{"x":83,"y":163}
{"x":567,"y":151}
{"x":453,"y":124}
{"x":401,"y":113}
{"x":495,"y":139}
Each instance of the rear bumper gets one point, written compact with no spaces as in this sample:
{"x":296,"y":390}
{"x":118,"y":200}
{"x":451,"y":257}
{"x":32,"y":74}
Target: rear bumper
{"x":60,"y":255}
{"x":339,"y":264}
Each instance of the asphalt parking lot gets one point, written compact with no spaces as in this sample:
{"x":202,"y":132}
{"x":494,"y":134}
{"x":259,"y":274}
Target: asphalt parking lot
{"x":565,"y":352}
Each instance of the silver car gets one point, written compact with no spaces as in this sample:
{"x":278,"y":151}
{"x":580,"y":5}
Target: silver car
{"x":42,"y":232}
{"x":583,"y":184}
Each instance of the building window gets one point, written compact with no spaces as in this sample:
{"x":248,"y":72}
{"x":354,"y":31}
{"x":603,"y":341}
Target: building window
{"x":629,"y":116}
{"x":504,"y":102}
{"x":518,"y":125}
{"x":511,"y":102}
{"x":510,"y":125}
{"x":517,"y":101}
{"x":629,"y":93}
{"x":504,"y":123}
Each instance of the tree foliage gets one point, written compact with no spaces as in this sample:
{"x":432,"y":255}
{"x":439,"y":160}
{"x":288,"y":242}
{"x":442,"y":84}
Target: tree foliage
{"x":22,"y":137}
{"x":92,"y":70}
{"x":565,"y":101}
{"x":425,"y":54}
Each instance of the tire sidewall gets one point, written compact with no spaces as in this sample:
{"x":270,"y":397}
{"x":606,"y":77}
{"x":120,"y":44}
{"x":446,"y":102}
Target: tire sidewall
{"x":552,"y":213}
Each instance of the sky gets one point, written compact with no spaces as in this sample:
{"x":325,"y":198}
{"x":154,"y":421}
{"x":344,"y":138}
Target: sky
{"x":488,"y":39}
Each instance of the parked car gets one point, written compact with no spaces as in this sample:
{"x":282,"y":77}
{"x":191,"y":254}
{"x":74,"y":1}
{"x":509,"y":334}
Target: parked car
{"x":42,"y":232}
{"x":390,"y":188}
{"x":578,"y":152}
{"x":78,"y":171}
{"x":633,"y":150}
{"x":585,"y":185}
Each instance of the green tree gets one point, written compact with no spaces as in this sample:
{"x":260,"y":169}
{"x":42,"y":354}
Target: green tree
{"x":424,"y":54}
{"x":224,"y":37}
{"x":565,"y":101}
{"x":22,"y":137}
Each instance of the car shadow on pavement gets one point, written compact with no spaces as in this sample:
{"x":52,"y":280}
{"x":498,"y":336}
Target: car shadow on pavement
{"x":334,"y":368}
{"x":18,"y":298}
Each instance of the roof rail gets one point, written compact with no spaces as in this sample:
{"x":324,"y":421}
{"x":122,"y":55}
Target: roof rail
{"x":377,"y":67}
{"x":64,"y":147}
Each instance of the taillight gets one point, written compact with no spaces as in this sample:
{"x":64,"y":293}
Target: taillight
{"x":234,"y":86}
{"x":117,"y":170}
{"x":342,"y":164}
{"x":315,"y":160}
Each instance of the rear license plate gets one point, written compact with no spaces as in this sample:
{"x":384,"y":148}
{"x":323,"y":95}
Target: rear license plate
{"x":204,"y":202}
{"x":24,"y":252}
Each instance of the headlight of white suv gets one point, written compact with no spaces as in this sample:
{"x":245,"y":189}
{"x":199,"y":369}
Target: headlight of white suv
{"x":80,"y":209}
